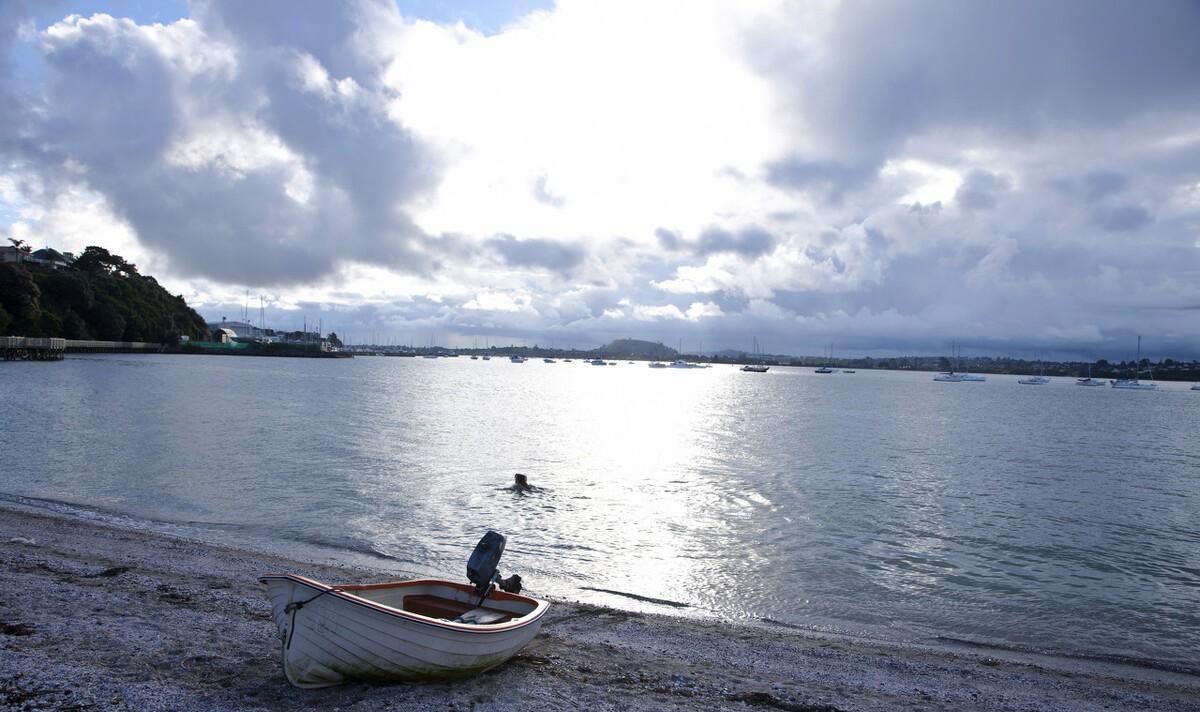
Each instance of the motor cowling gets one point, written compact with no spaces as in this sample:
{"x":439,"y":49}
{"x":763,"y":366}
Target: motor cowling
{"x":481,"y":567}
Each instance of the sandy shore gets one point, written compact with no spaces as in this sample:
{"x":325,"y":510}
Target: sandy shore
{"x":96,"y":617}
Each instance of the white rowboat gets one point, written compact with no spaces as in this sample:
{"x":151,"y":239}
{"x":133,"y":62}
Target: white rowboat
{"x":404,"y":631}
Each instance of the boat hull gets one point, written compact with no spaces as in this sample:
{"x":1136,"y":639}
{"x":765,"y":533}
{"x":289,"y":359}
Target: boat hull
{"x":350,"y":632}
{"x":1128,"y":385}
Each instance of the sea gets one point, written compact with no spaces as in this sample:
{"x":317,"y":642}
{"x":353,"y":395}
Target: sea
{"x":1054,"y":519}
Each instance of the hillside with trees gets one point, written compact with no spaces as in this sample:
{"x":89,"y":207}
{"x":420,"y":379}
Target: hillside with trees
{"x":98,"y":296}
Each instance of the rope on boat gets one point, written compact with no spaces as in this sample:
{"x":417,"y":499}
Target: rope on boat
{"x":297,"y":605}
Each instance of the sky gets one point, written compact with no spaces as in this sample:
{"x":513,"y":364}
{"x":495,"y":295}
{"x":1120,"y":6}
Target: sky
{"x":1017,"y":178}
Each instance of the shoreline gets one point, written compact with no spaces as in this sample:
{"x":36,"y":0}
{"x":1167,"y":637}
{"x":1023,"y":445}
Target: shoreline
{"x":96,"y":616}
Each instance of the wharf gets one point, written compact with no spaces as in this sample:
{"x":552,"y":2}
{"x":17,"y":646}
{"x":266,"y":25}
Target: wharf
{"x":25,"y":348}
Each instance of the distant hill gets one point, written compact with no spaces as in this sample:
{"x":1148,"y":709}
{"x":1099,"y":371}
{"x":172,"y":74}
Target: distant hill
{"x":98,"y":296}
{"x":633,"y":348}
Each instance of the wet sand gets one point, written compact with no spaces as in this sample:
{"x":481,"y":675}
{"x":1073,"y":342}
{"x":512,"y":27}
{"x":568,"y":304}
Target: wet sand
{"x":97,"y":617}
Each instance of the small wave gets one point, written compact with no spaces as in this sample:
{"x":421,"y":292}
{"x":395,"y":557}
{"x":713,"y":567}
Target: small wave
{"x":638,"y":597}
{"x":351,"y":544}
{"x":218,"y":533}
{"x":1129,"y":660}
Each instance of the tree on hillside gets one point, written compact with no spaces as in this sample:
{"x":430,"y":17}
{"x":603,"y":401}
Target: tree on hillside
{"x":20,"y":298}
{"x":100,"y":296}
{"x":96,"y":260}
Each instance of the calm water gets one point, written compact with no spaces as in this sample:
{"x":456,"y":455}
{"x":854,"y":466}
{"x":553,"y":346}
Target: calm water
{"x":1059,"y":518}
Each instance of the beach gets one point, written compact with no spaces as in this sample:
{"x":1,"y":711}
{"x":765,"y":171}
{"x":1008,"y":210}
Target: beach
{"x":94,"y":616}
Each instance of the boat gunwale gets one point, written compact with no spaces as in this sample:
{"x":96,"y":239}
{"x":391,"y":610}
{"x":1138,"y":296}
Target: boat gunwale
{"x":344,"y":593}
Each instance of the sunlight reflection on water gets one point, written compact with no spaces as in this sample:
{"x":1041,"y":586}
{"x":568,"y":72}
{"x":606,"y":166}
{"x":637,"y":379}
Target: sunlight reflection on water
{"x":1058,"y":517}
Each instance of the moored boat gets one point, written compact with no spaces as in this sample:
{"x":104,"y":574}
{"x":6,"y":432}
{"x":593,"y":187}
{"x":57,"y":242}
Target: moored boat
{"x":1133,"y":384}
{"x":1039,"y":380}
{"x":1089,"y":381}
{"x":759,"y":367}
{"x":405,"y":631}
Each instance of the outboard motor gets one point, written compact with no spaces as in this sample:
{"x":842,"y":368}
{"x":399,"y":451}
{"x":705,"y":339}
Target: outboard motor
{"x":481,"y":567}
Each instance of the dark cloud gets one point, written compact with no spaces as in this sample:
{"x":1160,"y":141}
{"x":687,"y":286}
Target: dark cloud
{"x":1101,"y":184}
{"x":120,"y":106}
{"x":979,"y":190}
{"x":322,"y":29}
{"x":668,"y":239}
{"x":552,"y":255}
{"x":1122,"y":218}
{"x":14,"y":109}
{"x":833,"y":178}
{"x":891,"y":72}
{"x":750,"y":242}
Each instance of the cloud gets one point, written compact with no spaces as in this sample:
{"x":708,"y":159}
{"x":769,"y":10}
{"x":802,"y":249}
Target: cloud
{"x":1101,"y":184}
{"x":750,"y":242}
{"x":240,"y":159}
{"x":805,"y":173}
{"x":833,"y":178}
{"x":543,"y":194}
{"x":1122,"y":218}
{"x":552,"y":255}
{"x":980,"y":190}
{"x":1059,"y":70}
{"x":668,"y":239}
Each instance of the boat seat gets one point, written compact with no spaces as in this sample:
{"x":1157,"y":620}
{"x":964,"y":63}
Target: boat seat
{"x":482,"y":616}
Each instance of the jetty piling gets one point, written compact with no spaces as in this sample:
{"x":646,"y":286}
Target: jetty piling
{"x":24,"y":348}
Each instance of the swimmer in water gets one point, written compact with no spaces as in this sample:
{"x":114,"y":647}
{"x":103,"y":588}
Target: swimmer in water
{"x":521,"y":484}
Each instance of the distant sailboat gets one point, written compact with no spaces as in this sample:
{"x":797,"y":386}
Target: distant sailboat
{"x":1089,"y":381}
{"x":952,"y":376}
{"x":826,"y":368}
{"x":1133,"y":384}
{"x":1038,"y":380}
{"x":759,"y":367}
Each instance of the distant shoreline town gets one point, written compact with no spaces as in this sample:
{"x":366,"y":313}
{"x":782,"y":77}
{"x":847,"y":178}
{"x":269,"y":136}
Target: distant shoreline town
{"x":97,"y":301}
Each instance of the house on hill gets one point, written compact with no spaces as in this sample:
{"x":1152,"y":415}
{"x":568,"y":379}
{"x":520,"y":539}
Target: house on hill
{"x":47,"y":256}
{"x":50,"y":257}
